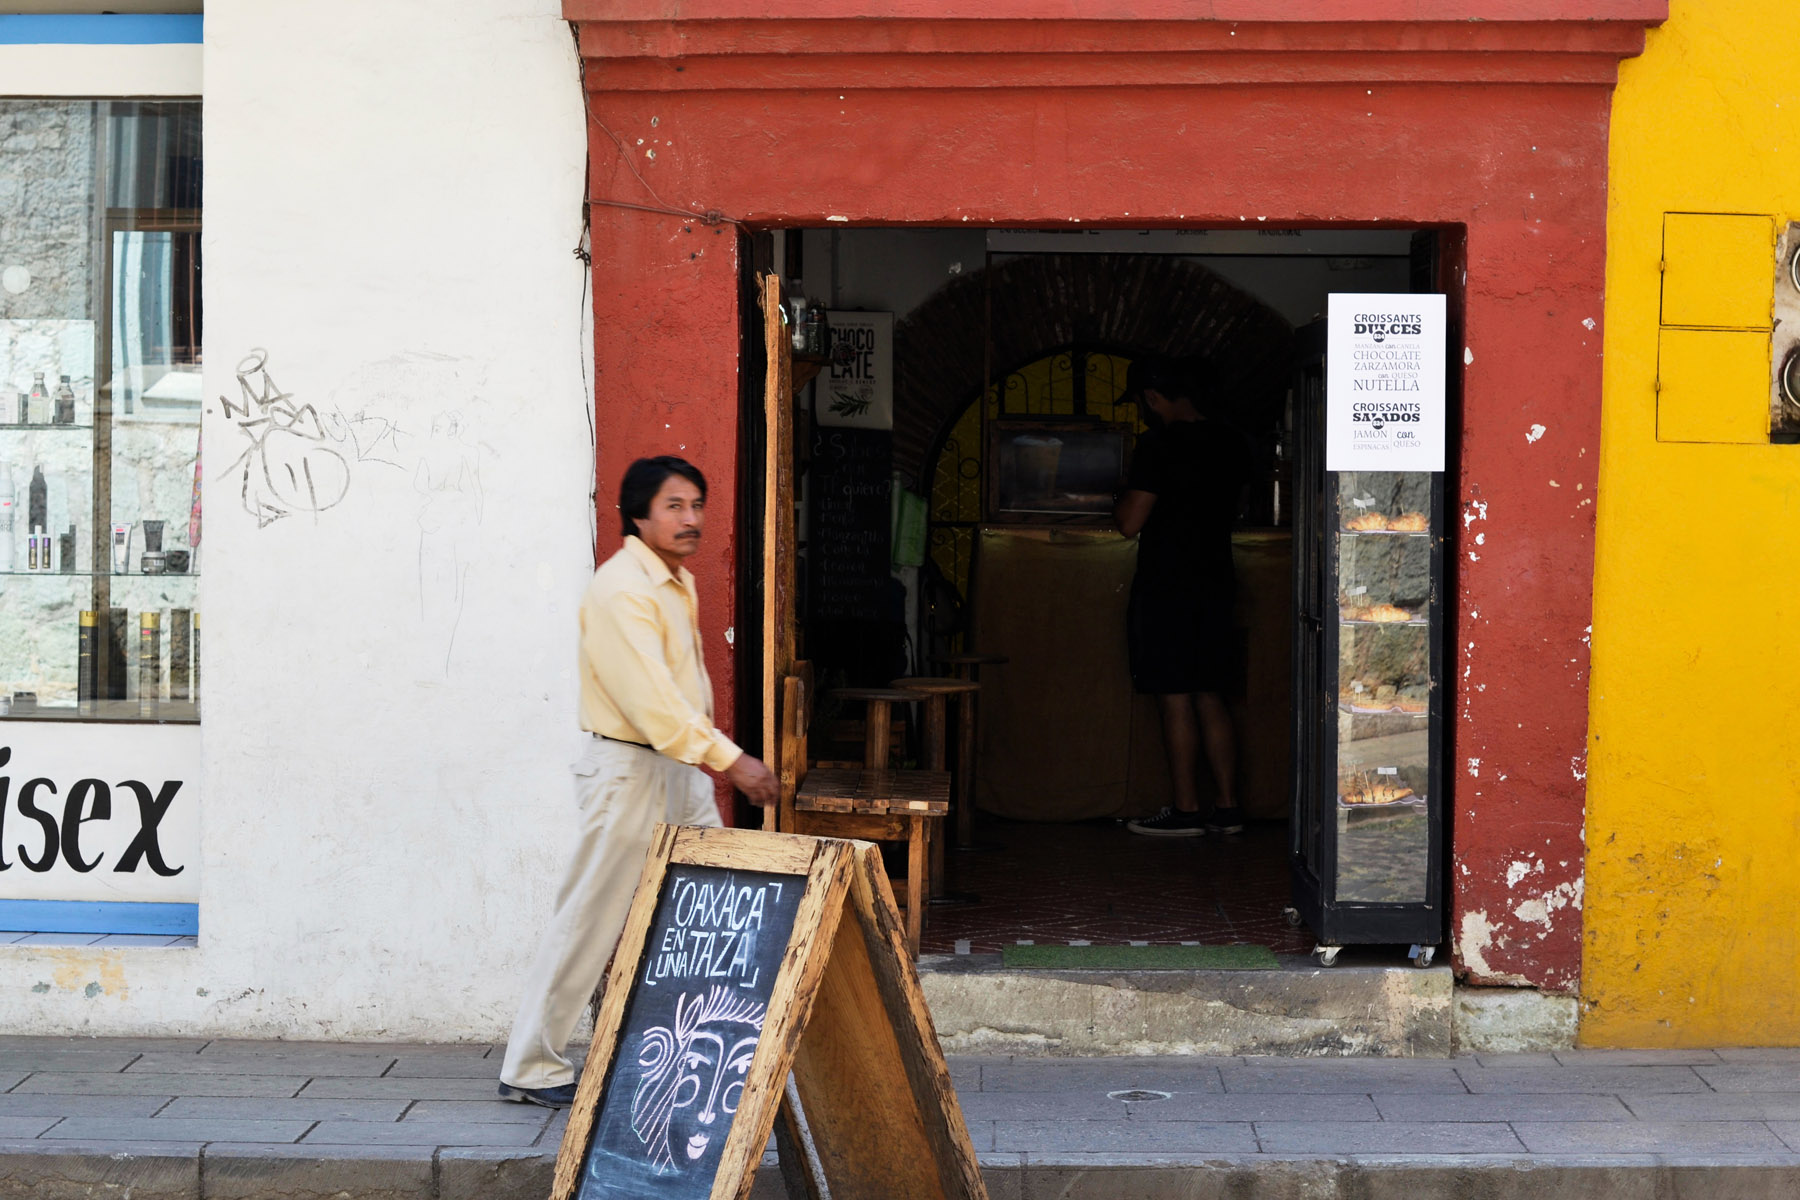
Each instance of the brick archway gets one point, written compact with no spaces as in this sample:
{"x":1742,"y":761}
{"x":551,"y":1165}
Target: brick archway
{"x":1132,"y":304}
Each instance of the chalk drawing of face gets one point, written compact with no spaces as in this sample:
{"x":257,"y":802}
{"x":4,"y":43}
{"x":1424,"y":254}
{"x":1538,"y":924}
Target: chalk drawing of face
{"x":693,"y":1075}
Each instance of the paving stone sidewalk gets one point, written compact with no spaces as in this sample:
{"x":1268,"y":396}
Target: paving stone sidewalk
{"x":186,"y":1119}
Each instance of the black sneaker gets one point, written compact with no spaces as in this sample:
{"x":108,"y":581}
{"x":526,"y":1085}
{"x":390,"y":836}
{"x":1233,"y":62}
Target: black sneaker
{"x":1226,"y":820}
{"x":560,"y":1096}
{"x":1170,"y":822}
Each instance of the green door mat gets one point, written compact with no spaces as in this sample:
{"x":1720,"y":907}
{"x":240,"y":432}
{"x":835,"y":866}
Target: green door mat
{"x":1140,"y":958}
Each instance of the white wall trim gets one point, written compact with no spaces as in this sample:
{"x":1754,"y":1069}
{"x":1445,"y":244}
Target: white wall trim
{"x":101,"y":71}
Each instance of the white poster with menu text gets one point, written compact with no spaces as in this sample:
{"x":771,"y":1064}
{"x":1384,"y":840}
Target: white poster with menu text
{"x":1385,"y":408}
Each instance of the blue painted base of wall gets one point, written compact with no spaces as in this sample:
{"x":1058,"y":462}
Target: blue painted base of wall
{"x":85,"y":916}
{"x":101,"y":29}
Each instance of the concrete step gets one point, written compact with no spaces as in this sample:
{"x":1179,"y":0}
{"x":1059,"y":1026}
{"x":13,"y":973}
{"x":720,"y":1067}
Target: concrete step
{"x":981,"y":1007}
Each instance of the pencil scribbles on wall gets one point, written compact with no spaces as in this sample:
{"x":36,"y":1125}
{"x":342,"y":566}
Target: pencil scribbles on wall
{"x":289,"y":463}
{"x":298,"y":459}
{"x":448,"y":476}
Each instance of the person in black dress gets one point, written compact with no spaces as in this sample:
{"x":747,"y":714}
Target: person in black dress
{"x":1181,"y":494}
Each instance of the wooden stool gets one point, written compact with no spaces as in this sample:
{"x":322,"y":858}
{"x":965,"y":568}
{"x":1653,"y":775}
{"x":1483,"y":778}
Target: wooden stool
{"x":967,"y":666}
{"x":937,"y":698}
{"x":877,"y":718}
{"x":881,"y":806}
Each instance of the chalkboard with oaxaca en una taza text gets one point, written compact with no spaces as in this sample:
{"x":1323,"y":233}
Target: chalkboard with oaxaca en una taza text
{"x":740,"y":1002}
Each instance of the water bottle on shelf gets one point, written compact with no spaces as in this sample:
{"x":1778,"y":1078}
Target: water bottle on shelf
{"x":38,"y":402}
{"x":65,"y":403}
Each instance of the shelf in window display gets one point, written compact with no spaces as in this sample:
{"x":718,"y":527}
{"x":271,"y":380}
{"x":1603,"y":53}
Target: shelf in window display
{"x":34,"y":426}
{"x":1360,"y":710}
{"x":111,"y":712}
{"x":93,"y":574}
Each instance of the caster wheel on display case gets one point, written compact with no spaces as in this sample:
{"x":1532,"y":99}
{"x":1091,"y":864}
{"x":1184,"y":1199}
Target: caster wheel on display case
{"x":1327,"y":955}
{"x":1422,"y":955}
{"x":1292,"y":917}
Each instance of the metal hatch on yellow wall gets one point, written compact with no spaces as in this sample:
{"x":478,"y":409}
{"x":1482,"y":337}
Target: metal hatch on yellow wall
{"x":1714,"y":337}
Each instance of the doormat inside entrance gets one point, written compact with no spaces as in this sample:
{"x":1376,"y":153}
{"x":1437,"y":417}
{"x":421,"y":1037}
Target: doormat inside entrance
{"x":1139,"y":958}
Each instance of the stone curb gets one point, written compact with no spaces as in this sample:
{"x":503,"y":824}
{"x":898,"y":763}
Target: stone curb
{"x":157,"y":1171}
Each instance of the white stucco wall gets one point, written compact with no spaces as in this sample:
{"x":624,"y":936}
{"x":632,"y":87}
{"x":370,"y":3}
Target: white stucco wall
{"x":393,"y":192}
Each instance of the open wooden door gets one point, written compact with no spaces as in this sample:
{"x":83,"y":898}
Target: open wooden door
{"x":779,"y":545}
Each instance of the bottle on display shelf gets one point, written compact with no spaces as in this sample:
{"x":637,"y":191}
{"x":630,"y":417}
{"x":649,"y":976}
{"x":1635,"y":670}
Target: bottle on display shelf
{"x":86,"y":678}
{"x":11,"y":412}
{"x":37,"y":500}
{"x":149,"y":662}
{"x":64,"y":413}
{"x":38,"y":402}
{"x":9,"y":513}
{"x":797,"y":323}
{"x":113,"y":653}
{"x":180,"y":674}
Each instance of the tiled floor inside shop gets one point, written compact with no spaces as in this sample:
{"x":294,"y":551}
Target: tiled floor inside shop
{"x":1096,"y":882}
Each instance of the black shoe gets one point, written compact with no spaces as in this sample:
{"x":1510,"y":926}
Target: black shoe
{"x":560,"y":1096}
{"x":1226,"y":820}
{"x":1170,"y":822}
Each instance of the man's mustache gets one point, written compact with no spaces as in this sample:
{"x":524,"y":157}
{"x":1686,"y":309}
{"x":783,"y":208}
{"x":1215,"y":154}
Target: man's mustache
{"x":692,"y":533}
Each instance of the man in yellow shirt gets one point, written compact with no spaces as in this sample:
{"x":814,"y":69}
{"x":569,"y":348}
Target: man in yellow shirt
{"x":646,"y":699}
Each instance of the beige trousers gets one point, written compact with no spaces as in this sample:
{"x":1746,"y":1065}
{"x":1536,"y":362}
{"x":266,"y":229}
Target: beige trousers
{"x":623,"y":791}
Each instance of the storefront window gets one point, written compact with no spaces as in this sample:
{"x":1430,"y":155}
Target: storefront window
{"x":100,"y":399}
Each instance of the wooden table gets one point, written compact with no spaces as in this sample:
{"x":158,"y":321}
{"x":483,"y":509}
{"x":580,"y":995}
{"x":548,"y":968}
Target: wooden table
{"x":967,"y":666}
{"x":877,"y":718}
{"x":883,"y":806}
{"x":937,"y":692}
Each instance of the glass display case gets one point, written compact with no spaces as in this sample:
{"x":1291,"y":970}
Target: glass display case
{"x":1054,"y":470}
{"x":1368,"y":831}
{"x":100,"y":403}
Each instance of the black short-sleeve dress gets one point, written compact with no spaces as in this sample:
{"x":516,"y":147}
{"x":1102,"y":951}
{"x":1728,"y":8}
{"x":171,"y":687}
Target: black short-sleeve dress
{"x":1179,"y":622}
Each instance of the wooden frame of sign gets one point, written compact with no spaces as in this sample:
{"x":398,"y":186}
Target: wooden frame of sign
{"x":869,"y":1109}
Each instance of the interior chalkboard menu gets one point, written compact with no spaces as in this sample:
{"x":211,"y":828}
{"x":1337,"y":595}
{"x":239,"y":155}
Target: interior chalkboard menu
{"x":698,"y":1004}
{"x":847,"y":542}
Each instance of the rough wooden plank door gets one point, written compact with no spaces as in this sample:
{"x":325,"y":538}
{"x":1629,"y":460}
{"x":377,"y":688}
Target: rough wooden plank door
{"x":780,"y":538}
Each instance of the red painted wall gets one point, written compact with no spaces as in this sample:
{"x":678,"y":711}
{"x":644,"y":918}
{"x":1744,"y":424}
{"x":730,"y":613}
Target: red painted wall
{"x":1483,"y":144}
{"x":666,"y":382}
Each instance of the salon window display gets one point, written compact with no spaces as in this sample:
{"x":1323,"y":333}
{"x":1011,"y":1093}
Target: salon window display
{"x":100,"y":400}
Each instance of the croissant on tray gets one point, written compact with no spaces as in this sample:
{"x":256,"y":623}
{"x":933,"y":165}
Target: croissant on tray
{"x":1381,"y":613}
{"x":1375,"y":791}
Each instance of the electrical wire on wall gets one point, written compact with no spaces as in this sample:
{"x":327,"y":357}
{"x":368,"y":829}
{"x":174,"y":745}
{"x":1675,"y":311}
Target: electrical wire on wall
{"x":584,"y":253}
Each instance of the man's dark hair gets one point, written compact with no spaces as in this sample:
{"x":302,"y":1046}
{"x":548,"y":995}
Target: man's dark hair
{"x":644,"y":478}
{"x":1153,"y":372}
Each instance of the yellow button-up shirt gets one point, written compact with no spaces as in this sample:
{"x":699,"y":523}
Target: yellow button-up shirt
{"x":643,"y":678}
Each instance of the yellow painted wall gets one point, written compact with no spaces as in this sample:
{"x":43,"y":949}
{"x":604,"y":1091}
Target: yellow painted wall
{"x":1693,"y":876}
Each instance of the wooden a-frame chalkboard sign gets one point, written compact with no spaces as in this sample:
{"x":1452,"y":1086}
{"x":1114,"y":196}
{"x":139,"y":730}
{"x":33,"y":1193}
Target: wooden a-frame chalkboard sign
{"x":746,"y":956}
